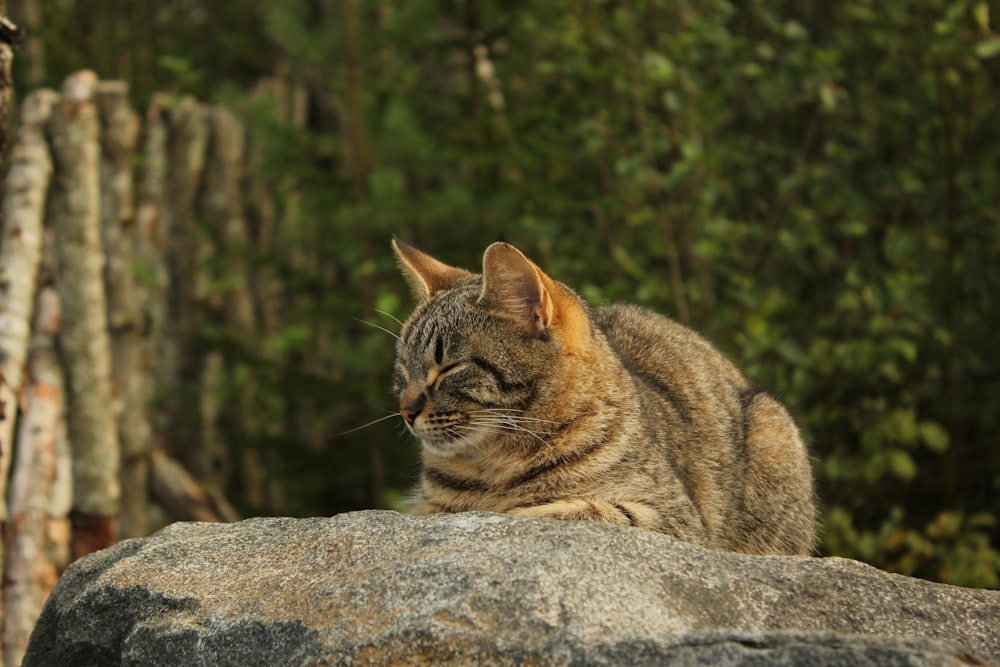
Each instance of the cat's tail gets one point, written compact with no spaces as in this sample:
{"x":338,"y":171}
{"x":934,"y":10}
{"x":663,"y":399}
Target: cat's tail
{"x":779,"y":505}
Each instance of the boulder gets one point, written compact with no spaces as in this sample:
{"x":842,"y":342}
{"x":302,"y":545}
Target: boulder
{"x":382,"y":588}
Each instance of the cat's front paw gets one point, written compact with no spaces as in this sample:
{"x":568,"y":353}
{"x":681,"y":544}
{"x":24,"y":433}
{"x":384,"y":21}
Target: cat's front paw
{"x":590,"y":509}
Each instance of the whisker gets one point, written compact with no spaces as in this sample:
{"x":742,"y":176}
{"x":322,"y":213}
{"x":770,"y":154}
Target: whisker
{"x":501,"y":412}
{"x":475,"y":429}
{"x":501,"y":431}
{"x":453,"y":431}
{"x":389,"y":315}
{"x":358,"y":428}
{"x":528,"y":419}
{"x":507,"y":427}
{"x":372,"y":324}
{"x":509,"y":419}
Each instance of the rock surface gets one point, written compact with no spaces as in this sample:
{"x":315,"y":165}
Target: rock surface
{"x":382,"y":588}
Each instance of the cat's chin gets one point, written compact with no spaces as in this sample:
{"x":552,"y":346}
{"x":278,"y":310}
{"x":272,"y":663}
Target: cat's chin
{"x":451,"y":448}
{"x":435,"y":450}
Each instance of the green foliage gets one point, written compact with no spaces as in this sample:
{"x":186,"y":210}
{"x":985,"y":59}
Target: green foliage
{"x":811,"y":184}
{"x":951,"y":547}
{"x":808,"y":184}
{"x":183,"y":46}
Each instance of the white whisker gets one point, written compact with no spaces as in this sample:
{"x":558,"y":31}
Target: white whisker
{"x":455,"y":432}
{"x":501,"y":412}
{"x":372,"y":324}
{"x":374,"y":421}
{"x":508,"y":426}
{"x":389,"y":315}
{"x":509,"y":419}
{"x":512,"y":420}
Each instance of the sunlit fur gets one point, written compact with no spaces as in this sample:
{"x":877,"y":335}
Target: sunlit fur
{"x":529,"y":402}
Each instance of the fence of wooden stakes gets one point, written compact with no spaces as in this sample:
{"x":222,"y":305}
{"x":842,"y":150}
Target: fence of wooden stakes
{"x":85,"y":344}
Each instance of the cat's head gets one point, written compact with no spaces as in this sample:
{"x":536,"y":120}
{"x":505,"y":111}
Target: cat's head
{"x":480,"y":351}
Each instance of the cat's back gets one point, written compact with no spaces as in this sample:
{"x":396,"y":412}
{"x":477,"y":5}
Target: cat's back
{"x":666,"y":356}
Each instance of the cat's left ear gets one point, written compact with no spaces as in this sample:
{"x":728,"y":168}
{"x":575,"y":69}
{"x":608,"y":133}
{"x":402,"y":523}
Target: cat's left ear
{"x":425,"y":274}
{"x":512,"y":283}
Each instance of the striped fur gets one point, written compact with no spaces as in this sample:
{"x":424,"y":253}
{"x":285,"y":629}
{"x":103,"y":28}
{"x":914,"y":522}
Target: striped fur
{"x":528,"y":402}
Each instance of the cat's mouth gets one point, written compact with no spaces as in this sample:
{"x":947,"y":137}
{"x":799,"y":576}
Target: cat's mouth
{"x":446,"y":434}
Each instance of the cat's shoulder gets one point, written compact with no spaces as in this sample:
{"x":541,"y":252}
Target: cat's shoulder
{"x":646,"y":339}
{"x":626,"y":320}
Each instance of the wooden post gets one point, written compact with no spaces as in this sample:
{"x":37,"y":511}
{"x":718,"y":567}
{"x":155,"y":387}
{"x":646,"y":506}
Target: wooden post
{"x":74,"y":212}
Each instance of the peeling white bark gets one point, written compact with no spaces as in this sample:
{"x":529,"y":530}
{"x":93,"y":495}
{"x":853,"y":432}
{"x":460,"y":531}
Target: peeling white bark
{"x":74,"y":213}
{"x":20,"y":254}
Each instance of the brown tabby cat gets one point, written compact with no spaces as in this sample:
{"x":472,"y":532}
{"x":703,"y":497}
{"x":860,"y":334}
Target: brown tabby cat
{"x":529,"y":402}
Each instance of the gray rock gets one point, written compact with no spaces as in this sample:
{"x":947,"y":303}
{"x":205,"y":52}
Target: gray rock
{"x":381,"y":588}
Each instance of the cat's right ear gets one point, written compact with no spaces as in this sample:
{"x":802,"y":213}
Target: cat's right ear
{"x":425,"y":274}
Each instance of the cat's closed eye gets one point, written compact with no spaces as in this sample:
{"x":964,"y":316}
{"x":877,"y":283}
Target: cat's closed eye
{"x":437,"y":375}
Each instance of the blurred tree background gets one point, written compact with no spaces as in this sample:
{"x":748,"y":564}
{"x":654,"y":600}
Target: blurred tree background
{"x":813,"y":185}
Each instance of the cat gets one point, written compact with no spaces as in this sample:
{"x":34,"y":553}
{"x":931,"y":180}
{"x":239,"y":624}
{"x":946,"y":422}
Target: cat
{"x":527,"y":401}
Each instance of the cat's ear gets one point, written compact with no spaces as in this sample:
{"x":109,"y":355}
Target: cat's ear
{"x":514,"y":284}
{"x":425,"y":274}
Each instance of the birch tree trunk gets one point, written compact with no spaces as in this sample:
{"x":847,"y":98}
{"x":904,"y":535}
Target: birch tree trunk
{"x":10,"y":34}
{"x":119,"y":135}
{"x":41,"y":487}
{"x":20,"y":254}
{"x":74,"y":212}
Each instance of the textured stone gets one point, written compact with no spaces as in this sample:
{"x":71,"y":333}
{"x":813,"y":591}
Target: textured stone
{"x":378,"y":587}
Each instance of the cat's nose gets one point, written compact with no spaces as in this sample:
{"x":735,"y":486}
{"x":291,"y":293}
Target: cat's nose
{"x":409,"y":410}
